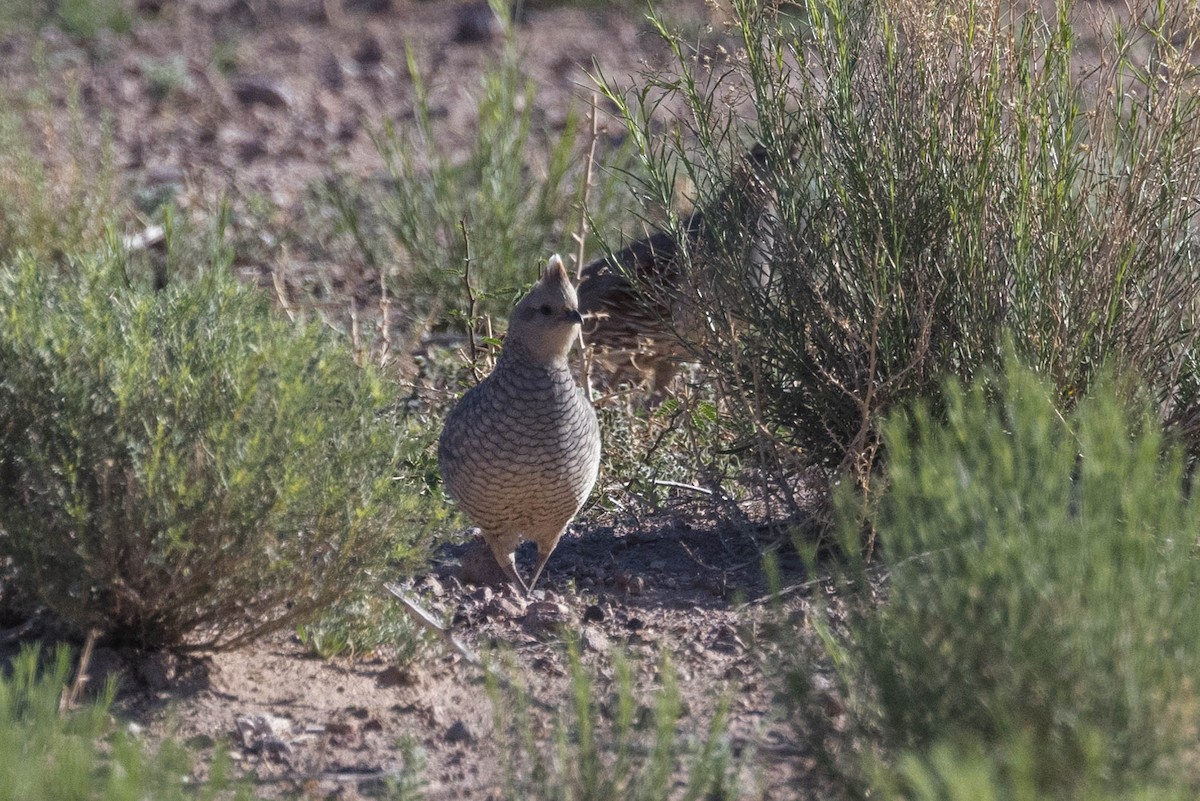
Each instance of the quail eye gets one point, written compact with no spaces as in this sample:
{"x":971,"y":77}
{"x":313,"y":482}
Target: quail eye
{"x":546,"y":310}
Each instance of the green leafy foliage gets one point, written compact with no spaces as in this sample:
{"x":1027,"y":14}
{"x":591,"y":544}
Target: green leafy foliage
{"x":954,"y":773}
{"x":82,"y":19}
{"x":185,"y":468}
{"x":654,"y":455}
{"x":86,"y":18}
{"x":81,"y":755}
{"x":1041,"y":571}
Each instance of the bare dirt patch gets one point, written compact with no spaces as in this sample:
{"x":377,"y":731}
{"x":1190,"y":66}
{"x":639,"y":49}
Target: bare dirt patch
{"x":261,"y":97}
{"x":296,"y":723}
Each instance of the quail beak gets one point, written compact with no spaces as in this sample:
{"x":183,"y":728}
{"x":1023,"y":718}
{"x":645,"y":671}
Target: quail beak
{"x":574,"y":317}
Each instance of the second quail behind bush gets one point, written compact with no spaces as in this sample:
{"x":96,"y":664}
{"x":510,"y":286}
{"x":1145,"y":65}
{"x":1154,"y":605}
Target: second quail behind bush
{"x":521,"y":450}
{"x":637,"y":307}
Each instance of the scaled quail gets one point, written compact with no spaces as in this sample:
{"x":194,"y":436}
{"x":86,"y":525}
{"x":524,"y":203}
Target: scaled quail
{"x":520,"y":451}
{"x":636,"y":310}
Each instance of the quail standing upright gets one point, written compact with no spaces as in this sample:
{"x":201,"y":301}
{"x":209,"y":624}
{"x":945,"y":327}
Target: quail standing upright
{"x":521,"y":450}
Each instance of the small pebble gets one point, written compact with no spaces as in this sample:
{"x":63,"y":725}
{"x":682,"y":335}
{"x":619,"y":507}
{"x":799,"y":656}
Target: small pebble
{"x":257,"y":90}
{"x":458,"y":733}
{"x":477,"y":23}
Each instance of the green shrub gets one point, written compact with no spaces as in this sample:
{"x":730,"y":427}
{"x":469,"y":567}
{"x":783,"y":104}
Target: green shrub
{"x":611,"y":746}
{"x":653,"y":455}
{"x":82,"y":19}
{"x":1041,"y":573}
{"x":81,"y":755}
{"x":943,"y":177}
{"x":166,"y":77}
{"x":955,"y":773}
{"x":184,"y":468}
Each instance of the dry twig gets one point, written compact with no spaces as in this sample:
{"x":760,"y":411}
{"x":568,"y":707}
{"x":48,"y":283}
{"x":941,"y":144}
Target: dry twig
{"x":462,"y":224}
{"x":580,"y":237}
{"x":384,"y":326}
{"x":281,"y":290}
{"x":71,"y":696}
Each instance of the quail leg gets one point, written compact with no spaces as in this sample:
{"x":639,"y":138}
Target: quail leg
{"x":504,"y":549}
{"x":510,"y":569}
{"x":545,"y":548}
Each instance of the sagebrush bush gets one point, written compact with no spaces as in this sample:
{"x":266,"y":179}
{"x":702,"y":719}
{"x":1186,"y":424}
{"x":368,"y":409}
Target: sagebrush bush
{"x":85,"y":19}
{"x":83,"y":755}
{"x":82,"y":19}
{"x":954,"y":772}
{"x":1037,"y":584}
{"x":184,"y":467}
{"x":944,"y":176}
{"x":672,"y":451}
